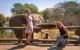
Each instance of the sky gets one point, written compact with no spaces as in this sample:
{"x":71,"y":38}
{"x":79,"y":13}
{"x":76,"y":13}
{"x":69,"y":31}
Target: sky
{"x":6,"y":5}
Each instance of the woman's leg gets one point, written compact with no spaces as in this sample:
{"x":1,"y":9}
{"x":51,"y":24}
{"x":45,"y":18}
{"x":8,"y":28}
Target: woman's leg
{"x":26,"y":34}
{"x":29,"y":37}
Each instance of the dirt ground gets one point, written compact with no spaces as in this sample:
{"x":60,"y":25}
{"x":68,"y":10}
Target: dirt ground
{"x":37,"y":47}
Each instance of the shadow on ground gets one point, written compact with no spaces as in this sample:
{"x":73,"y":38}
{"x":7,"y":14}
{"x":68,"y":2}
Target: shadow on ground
{"x":55,"y":48}
{"x":42,"y":45}
{"x":50,"y":46}
{"x":17,"y":47}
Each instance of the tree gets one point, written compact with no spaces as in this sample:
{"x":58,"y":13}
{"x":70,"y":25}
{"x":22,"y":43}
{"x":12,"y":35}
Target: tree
{"x":47,"y":13}
{"x":2,"y":19}
{"x":19,"y":8}
{"x":67,"y":12}
{"x":33,"y":8}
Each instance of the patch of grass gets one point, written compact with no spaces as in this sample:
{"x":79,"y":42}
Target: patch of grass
{"x":6,"y":34}
{"x":52,"y":34}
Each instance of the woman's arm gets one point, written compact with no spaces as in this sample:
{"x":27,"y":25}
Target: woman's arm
{"x":66,"y":31}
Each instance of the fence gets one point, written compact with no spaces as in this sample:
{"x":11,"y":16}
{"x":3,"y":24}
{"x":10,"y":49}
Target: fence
{"x":40,"y":40}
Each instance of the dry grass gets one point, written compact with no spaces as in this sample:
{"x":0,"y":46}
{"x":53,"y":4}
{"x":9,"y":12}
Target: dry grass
{"x":52,"y":34}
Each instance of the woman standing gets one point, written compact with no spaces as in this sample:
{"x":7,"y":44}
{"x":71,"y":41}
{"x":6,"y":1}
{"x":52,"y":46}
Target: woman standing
{"x":29,"y":27}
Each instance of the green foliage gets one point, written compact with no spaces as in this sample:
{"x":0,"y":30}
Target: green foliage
{"x":2,"y":19}
{"x":47,"y":13}
{"x":67,"y":12}
{"x":33,"y":8}
{"x":19,"y":8}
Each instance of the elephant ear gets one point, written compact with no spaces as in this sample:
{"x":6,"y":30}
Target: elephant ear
{"x":37,"y":19}
{"x":18,"y":21}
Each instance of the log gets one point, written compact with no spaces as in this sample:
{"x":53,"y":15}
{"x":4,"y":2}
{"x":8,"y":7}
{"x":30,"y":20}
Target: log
{"x":46,"y":25}
{"x":40,"y":26}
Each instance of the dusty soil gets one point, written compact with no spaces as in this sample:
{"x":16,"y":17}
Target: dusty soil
{"x":37,"y":47}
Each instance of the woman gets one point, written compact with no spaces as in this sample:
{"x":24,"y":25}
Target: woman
{"x":63,"y":34}
{"x":29,"y":27}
